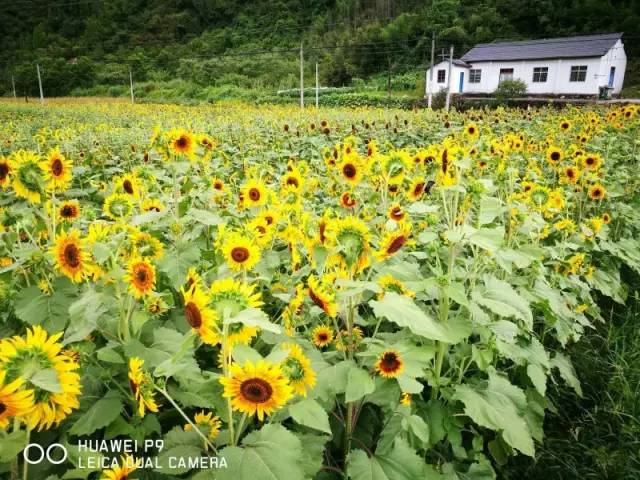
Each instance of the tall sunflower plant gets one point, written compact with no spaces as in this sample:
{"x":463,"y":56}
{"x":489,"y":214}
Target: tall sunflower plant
{"x":307,"y":294}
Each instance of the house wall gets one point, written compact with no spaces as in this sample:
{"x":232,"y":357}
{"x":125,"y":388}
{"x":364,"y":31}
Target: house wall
{"x":455,"y":77}
{"x":558,"y":74}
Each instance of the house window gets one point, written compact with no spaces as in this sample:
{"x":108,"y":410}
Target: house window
{"x":505,"y":74}
{"x":441,"y":76}
{"x":474,"y":75}
{"x":540,"y":74}
{"x":578,"y":73}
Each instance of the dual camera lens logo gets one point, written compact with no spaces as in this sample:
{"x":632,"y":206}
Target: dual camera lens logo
{"x":35,"y":453}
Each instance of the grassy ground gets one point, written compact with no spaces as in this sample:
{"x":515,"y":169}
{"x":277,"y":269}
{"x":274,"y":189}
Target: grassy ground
{"x":597,"y":436}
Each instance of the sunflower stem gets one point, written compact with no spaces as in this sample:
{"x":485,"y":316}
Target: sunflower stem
{"x":25,"y":467}
{"x":226,"y":355}
{"x":240,"y":428}
{"x":184,"y":415}
{"x":349,"y":417}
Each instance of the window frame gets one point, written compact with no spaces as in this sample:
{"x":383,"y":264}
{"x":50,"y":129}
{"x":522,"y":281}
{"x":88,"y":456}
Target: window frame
{"x":444,"y":75}
{"x":580,"y":72}
{"x":540,"y":75}
{"x":475,"y":75}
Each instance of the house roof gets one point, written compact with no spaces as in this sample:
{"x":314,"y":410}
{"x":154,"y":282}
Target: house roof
{"x":568,"y":47}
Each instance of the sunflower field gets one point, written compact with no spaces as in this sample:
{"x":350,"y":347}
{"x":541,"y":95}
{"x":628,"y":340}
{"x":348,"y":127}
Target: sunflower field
{"x":342,"y":293}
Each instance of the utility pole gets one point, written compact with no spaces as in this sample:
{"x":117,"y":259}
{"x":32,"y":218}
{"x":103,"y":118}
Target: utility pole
{"x":301,"y":77}
{"x":13,"y":84}
{"x":389,"y":76}
{"x":430,"y":83}
{"x":133,"y":100}
{"x":317,"y":86}
{"x":449,"y":79}
{"x":40,"y":84}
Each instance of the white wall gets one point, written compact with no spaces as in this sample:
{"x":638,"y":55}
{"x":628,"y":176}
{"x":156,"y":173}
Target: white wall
{"x":558,"y":74}
{"x":455,"y":77}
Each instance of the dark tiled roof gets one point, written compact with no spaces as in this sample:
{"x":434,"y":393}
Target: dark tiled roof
{"x":568,"y":47}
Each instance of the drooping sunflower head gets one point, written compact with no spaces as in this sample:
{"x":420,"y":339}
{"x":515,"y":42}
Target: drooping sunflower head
{"x":389,"y":283}
{"x":28,"y":180}
{"x":152,"y":205}
{"x":28,"y":358}
{"x":146,"y":245}
{"x":118,"y":206}
{"x":229,"y":297}
{"x":393,"y":241}
{"x":70,"y":255}
{"x":396,"y":165}
{"x":141,"y":386}
{"x":322,"y":336}
{"x":417,"y":188}
{"x":141,"y":277}
{"x":208,"y":423}
{"x":128,"y":184}
{"x":256,"y":389}
{"x":240,"y":252}
{"x":320,"y":294}
{"x":14,"y":401}
{"x":200,"y":317}
{"x":389,"y":364}
{"x":297,"y":368}
{"x":57,"y":171}
{"x":68,"y":211}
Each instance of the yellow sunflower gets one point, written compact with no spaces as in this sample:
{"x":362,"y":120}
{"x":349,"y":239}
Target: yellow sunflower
{"x":129,"y":185}
{"x":297,"y":368}
{"x":152,"y":205}
{"x":28,"y":179}
{"x":321,"y":297}
{"x":6,"y":171}
{"x":253,"y":194}
{"x":141,"y":276}
{"x":57,"y":171}
{"x":350,"y":171}
{"x":199,"y":316}
{"x":471,"y":131}
{"x":14,"y":402}
{"x":389,"y":283}
{"x":396,"y":165}
{"x":181,"y":142}
{"x":36,"y":353}
{"x":141,"y":386}
{"x":228,"y":298}
{"x":70,"y":255}
{"x":68,"y":210}
{"x":147,"y":246}
{"x":554,"y":155}
{"x":417,"y":188}
{"x":118,"y":206}
{"x":349,"y":237}
{"x":322,"y":336}
{"x":396,"y":213}
{"x":208,"y":423}
{"x":128,"y":465}
{"x":258,"y":389}
{"x":240,"y":252}
{"x":389,"y":364}
{"x":597,"y":192}
{"x":393,"y":241}
{"x":592,"y":161}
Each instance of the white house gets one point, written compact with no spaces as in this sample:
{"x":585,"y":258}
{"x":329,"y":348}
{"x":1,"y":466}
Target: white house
{"x":559,"y":66}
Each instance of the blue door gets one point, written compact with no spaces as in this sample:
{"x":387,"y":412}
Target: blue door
{"x":612,"y":74}
{"x":461,"y":82}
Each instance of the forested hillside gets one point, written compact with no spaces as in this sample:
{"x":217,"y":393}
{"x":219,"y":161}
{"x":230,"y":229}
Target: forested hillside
{"x":253,"y":44}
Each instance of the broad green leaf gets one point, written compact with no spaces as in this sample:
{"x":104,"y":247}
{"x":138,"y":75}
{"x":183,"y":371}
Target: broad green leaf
{"x":489,"y":239}
{"x":179,"y":444}
{"x":204,"y":216}
{"x":313,"y":447}
{"x":99,"y":415}
{"x":401,"y":463}
{"x":404,"y":312}
{"x":359,"y":384}
{"x":177,"y":261}
{"x":503,"y":300}
{"x":11,"y":444}
{"x":310,"y":413}
{"x":567,"y":372}
{"x":254,"y":317}
{"x":84,"y":314}
{"x":50,"y":311}
{"x":271,"y":453}
{"x":490,"y":208}
{"x":332,"y":380}
{"x":500,"y":406}
{"x":47,"y":379}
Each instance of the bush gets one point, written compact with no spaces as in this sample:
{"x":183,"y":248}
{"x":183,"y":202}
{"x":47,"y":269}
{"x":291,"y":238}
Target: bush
{"x":511,"y":89}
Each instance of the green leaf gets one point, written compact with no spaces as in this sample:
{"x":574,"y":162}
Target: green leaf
{"x":310,"y":413}
{"x":490,"y":208}
{"x":177,"y":261}
{"x":109,"y":355}
{"x":401,"y":463}
{"x":47,"y":379}
{"x":417,"y":426}
{"x":500,"y":406}
{"x":271,"y":453}
{"x":179,"y":444}
{"x":332,"y":380}
{"x":254,"y":317}
{"x":489,"y":239}
{"x":101,"y":414}
{"x":84,"y":314}
{"x":359,"y":384}
{"x":204,"y":216}
{"x":567,"y":372}
{"x":313,"y":447}
{"x":404,"y":312}
{"x":11,"y":444}
{"x":50,"y":311}
{"x":503,"y":300}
